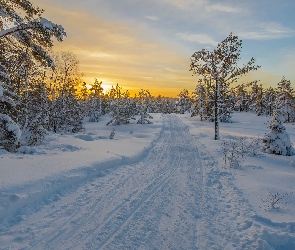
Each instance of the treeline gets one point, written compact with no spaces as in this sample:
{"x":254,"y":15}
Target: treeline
{"x":42,"y":91}
{"x":43,"y":99}
{"x":248,"y":97}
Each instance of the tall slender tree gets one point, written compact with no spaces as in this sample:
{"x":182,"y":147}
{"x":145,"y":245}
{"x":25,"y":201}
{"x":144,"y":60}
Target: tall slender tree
{"x":96,"y":101}
{"x":221,"y":67}
{"x":285,"y":99}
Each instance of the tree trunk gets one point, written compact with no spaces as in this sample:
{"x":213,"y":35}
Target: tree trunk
{"x":216,"y":120}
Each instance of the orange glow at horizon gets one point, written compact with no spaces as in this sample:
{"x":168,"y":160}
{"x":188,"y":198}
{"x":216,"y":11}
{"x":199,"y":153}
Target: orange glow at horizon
{"x":107,"y":85}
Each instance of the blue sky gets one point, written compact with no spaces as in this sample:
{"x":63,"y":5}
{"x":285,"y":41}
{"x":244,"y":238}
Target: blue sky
{"x":148,"y":44}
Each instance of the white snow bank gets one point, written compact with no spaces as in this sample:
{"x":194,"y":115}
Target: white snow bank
{"x":67,"y":159}
{"x":260,"y":175}
{"x":65,"y":152}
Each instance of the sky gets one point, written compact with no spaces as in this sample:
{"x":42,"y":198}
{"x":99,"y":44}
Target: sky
{"x":147,"y":44}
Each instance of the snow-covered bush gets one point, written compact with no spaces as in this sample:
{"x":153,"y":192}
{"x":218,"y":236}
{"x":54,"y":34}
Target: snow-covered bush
{"x":276,"y":199}
{"x":235,"y":151}
{"x":254,"y":147}
{"x":26,"y":150}
{"x":277,"y":141}
{"x":9,"y":133}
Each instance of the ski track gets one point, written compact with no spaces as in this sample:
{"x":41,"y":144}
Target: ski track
{"x":175,"y":198}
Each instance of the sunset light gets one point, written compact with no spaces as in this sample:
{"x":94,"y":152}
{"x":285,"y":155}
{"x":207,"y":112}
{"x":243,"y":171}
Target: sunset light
{"x":147,"y":48}
{"x":147,"y":124}
{"x":144,"y":46}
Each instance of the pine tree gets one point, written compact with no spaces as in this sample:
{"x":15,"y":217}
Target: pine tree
{"x":66,"y":111}
{"x":35,"y":117}
{"x":199,"y":99}
{"x":269,"y":100}
{"x":143,"y":105}
{"x":25,"y":37}
{"x":121,"y":108}
{"x":277,"y":141}
{"x":96,"y":101}
{"x":256,"y":98}
{"x":184,"y":102}
{"x":84,"y":98}
{"x":9,"y":131}
{"x":220,"y":67}
{"x":242,"y":97}
{"x":285,"y":100}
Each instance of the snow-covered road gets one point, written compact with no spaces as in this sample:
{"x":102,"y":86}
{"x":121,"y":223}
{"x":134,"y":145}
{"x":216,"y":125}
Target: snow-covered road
{"x":175,"y":197}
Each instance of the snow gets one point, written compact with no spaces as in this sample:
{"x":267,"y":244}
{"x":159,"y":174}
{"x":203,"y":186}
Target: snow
{"x":67,"y":151}
{"x":154,"y":186}
{"x":46,"y":24}
{"x":1,"y":90}
{"x":11,"y":127}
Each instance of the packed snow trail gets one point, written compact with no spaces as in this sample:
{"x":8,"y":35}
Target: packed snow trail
{"x":174,"y":198}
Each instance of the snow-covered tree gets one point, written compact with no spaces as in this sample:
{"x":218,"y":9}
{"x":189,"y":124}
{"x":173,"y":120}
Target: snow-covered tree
{"x":221,"y":67}
{"x":27,"y":30}
{"x":83,"y":95}
{"x":66,"y":111}
{"x":8,"y":98}
{"x":184,"y":102}
{"x":25,"y":37}
{"x":256,"y":98}
{"x":96,"y":101}
{"x":241,"y":97}
{"x":144,"y":97}
{"x":168,"y":105}
{"x":269,"y":100}
{"x":122,"y":108}
{"x":9,"y":133}
{"x":199,"y":100}
{"x":35,"y":108}
{"x":285,"y":100}
{"x":203,"y":99}
{"x":277,"y":141}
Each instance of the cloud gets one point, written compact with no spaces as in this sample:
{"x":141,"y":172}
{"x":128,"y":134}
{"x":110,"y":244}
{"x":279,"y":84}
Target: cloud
{"x":268,"y":31}
{"x":187,"y":4}
{"x":115,"y":51}
{"x":125,"y":42}
{"x":202,"y":4}
{"x":203,"y":39}
{"x":222,"y":8}
{"x":153,"y":18}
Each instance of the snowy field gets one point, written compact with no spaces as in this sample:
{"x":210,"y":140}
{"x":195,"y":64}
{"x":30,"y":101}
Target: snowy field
{"x":159,"y":186}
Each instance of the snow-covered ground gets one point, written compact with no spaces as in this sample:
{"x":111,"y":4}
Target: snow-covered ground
{"x":158,"y":186}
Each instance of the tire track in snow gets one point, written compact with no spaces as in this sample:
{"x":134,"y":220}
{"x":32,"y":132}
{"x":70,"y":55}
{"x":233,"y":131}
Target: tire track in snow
{"x":152,"y":205}
{"x":166,"y":176}
{"x":97,"y":207}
